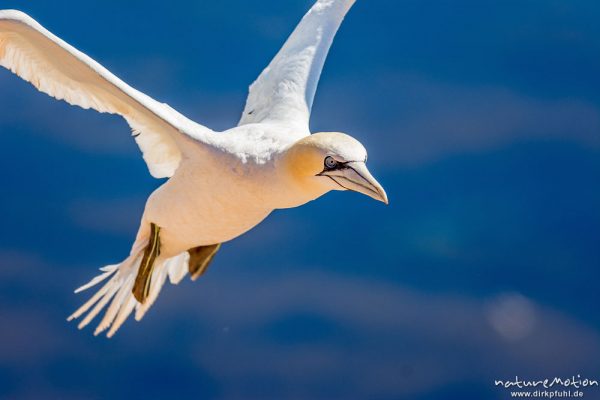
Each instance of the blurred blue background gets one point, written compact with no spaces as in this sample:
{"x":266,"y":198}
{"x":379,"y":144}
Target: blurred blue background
{"x":482,"y":120}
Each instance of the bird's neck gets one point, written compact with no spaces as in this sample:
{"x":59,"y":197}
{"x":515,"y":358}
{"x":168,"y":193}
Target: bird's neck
{"x":295,"y":188}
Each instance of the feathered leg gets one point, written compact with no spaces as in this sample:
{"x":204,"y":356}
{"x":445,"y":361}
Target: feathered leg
{"x":141,"y":287}
{"x":200,"y":257}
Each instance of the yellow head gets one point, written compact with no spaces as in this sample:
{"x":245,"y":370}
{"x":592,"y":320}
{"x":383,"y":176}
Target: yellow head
{"x":331,"y":161}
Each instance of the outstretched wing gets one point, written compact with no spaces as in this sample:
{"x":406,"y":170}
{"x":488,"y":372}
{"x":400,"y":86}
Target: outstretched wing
{"x":284,"y":91}
{"x":58,"y":69}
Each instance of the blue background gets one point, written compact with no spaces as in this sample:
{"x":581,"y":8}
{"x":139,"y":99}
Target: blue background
{"x":482,"y":120}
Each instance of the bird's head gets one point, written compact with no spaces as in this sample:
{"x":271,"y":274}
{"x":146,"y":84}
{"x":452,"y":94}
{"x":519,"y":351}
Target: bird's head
{"x":331,"y":161}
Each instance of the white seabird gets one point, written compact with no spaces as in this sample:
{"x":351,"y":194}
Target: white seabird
{"x":220,"y":184}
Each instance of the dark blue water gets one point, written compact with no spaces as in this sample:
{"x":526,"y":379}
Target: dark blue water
{"x":482,"y":121}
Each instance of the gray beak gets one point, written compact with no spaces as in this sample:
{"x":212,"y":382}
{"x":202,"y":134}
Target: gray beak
{"x":356,"y":177}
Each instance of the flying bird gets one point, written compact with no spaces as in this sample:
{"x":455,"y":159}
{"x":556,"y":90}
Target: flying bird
{"x":221,"y":184}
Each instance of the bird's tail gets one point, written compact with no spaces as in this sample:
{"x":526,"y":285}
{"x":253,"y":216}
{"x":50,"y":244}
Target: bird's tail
{"x":118,"y":288}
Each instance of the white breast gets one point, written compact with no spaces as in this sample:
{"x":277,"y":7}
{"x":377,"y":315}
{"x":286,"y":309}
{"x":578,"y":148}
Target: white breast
{"x":213,"y":198}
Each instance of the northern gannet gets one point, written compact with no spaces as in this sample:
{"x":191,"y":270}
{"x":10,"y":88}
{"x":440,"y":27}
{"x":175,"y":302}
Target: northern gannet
{"x":221,"y":184}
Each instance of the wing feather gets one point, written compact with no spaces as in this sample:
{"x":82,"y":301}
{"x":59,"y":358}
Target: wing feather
{"x":61,"y":71}
{"x":285,"y":90}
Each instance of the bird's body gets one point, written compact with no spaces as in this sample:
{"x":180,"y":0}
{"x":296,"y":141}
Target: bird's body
{"x":221,"y":184}
{"x":221,"y":192}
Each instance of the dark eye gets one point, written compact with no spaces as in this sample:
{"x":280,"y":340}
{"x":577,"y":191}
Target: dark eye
{"x":330,"y":162}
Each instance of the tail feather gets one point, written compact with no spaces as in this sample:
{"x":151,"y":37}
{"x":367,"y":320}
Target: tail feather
{"x":109,"y":270}
{"x":118,"y":288}
{"x":112,"y":289}
{"x":115,"y":305}
{"x":120,"y":269}
{"x":178,"y":267}
{"x":86,"y":306}
{"x":124,"y":312}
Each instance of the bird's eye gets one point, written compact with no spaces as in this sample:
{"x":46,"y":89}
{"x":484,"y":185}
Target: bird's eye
{"x":330,"y":162}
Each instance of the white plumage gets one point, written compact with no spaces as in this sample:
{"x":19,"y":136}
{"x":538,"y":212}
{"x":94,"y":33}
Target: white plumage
{"x":221,"y":184}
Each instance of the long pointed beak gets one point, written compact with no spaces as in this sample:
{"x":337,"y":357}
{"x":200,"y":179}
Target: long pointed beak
{"x":356,"y":177}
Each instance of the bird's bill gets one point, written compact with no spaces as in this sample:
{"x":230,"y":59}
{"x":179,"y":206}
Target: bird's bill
{"x":356,"y":177}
